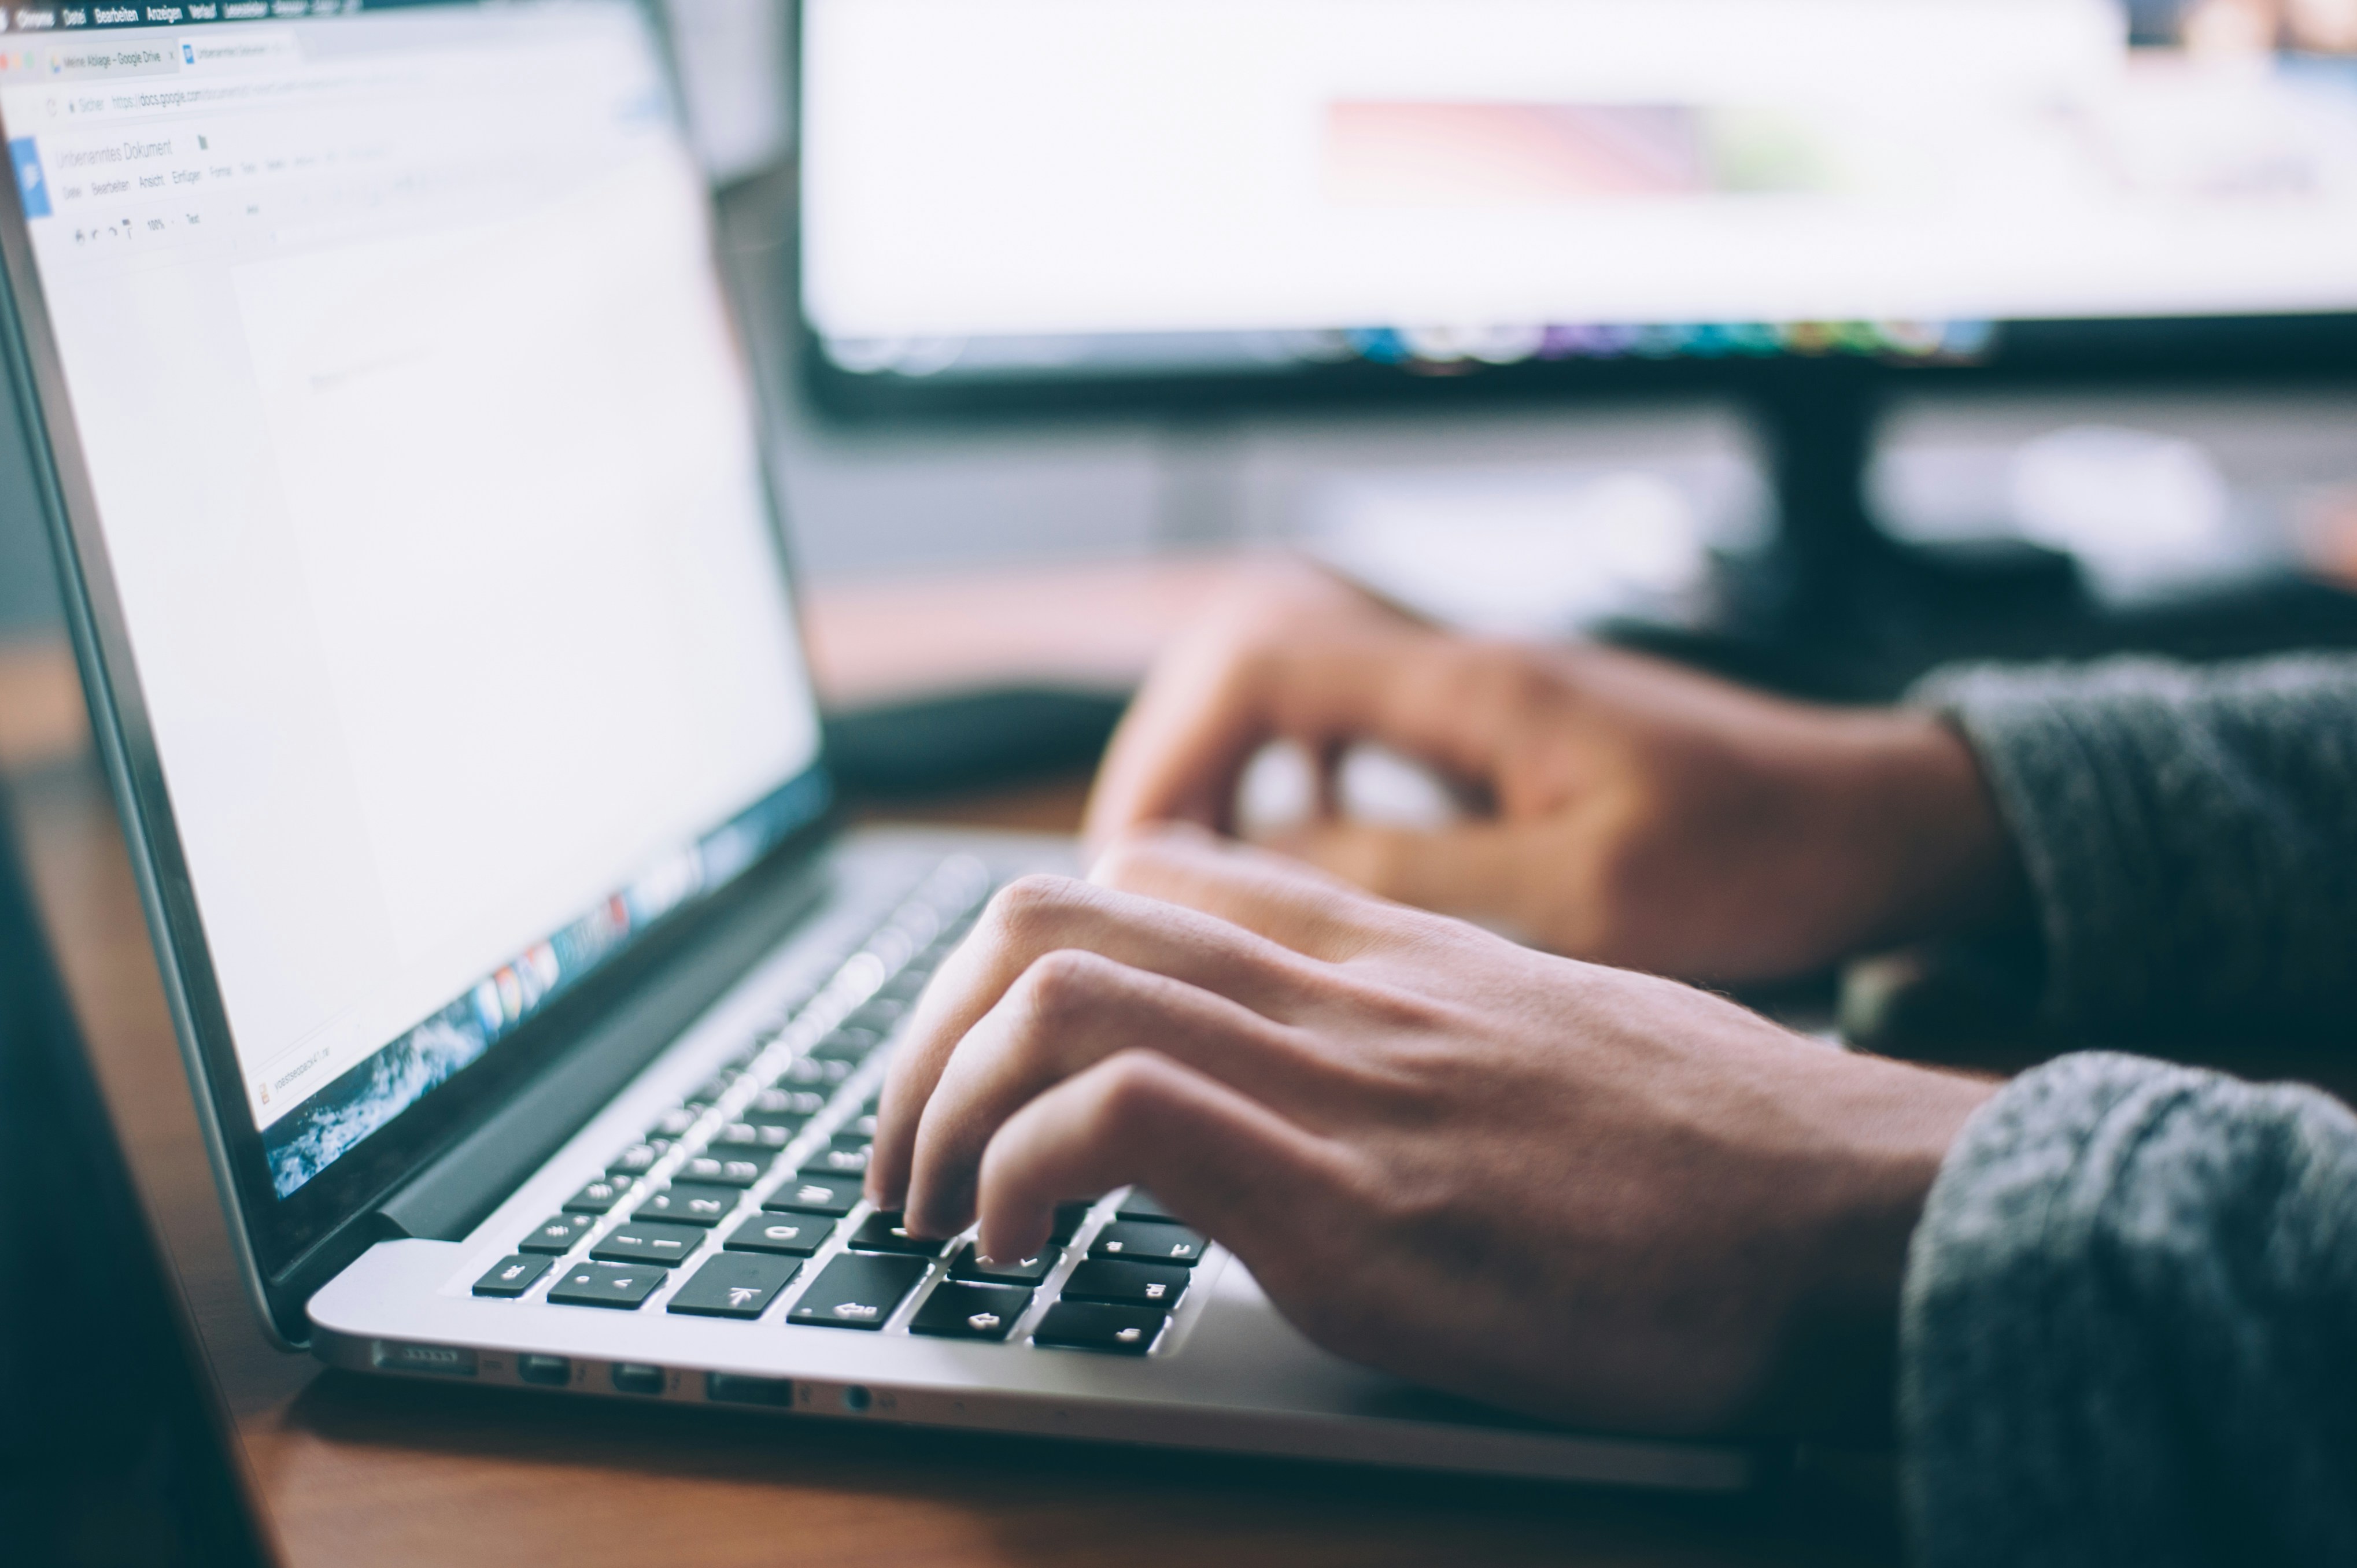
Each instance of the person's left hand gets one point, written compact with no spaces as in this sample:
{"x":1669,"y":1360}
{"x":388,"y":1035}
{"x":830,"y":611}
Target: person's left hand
{"x":1588,"y":1194}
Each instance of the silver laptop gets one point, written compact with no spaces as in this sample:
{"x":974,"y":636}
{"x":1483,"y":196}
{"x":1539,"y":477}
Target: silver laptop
{"x":406,"y":469}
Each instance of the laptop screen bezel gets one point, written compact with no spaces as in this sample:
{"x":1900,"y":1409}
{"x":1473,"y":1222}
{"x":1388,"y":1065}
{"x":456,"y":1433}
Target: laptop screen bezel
{"x":276,"y":1237}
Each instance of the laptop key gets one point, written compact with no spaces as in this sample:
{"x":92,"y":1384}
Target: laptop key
{"x":787,"y":1235}
{"x":1158,"y":1285}
{"x":857,"y":1290}
{"x":735,"y":1284}
{"x":597,"y":1198}
{"x":883,"y":1232}
{"x":1085,"y":1325}
{"x":618,"y":1285}
{"x":634,"y":1161}
{"x":846,"y":1046}
{"x":722,"y":1171}
{"x":851,"y":1162}
{"x":957,"y":1310}
{"x":636,"y":1242}
{"x":1069,"y":1217}
{"x":1141,"y":1205}
{"x":511,"y":1276}
{"x":558,"y":1233}
{"x":1133,"y":1241}
{"x":1004,"y":1271}
{"x":780,"y":1104}
{"x":832,"y":1195}
{"x":751,"y":1138}
{"x":687,"y":1203}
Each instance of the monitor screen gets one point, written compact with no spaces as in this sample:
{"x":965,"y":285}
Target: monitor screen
{"x":1026,"y":189}
{"x":423,"y":464}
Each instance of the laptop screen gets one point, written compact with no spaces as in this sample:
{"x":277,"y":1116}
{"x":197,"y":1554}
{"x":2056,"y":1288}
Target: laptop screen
{"x":425,"y":463}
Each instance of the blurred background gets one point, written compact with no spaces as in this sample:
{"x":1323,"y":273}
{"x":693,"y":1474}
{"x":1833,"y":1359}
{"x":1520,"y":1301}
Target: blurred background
{"x":1514,"y":472}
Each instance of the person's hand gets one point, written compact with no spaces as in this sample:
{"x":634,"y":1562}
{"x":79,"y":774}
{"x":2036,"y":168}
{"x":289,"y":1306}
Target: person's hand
{"x":1580,"y":1192}
{"x":1637,"y":814}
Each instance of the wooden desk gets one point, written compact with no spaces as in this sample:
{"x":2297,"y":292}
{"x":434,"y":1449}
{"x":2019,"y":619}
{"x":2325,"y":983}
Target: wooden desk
{"x":358,"y":1471}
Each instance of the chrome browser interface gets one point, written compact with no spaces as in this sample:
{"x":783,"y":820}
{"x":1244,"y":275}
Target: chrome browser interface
{"x":425,"y":463}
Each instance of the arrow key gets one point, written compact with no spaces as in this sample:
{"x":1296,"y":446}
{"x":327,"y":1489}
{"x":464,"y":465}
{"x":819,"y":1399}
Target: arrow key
{"x":735,"y":1285}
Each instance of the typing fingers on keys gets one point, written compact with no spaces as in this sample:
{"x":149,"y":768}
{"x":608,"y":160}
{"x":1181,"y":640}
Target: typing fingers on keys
{"x":1037,"y":916}
{"x":1208,"y":1151}
{"x":1072,"y":1010}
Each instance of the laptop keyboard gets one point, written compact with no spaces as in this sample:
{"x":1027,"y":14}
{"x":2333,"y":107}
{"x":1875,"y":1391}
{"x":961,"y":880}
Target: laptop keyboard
{"x":742,"y":1203}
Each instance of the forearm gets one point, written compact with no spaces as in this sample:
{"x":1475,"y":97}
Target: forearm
{"x":2188,"y":836}
{"x":2129,"y":1330}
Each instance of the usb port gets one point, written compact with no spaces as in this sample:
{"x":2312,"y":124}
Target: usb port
{"x":631,"y":1378}
{"x":548,"y":1372}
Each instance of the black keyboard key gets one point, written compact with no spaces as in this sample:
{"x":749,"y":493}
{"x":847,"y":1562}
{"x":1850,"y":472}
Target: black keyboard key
{"x":634,"y":1161}
{"x":787,"y":1235}
{"x":722,"y":1170}
{"x":511,"y":1276}
{"x":1069,"y":1217}
{"x":673,"y":1124}
{"x":735,"y":1284}
{"x":957,"y":1310}
{"x":832,"y":1195}
{"x":783,"y":1105}
{"x":1141,"y":1205}
{"x":597,"y":1198}
{"x":1158,"y":1285}
{"x":1004,"y":1271}
{"x":749,"y":1138}
{"x":831,"y":1161}
{"x":558,"y":1233}
{"x":1085,"y":1326}
{"x":858,"y":1290}
{"x":637,"y":1242}
{"x":813,"y":1069}
{"x":882,"y":1233}
{"x":1131,"y":1241}
{"x":686,"y":1203}
{"x":621,"y":1285}
{"x":846,"y":1046}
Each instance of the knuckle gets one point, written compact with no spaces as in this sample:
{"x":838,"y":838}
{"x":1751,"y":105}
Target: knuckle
{"x":1132,"y":1088}
{"x":1028,"y":904}
{"x":1061,"y":985}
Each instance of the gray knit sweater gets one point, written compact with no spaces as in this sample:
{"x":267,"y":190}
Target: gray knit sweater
{"x":2129,"y":1333}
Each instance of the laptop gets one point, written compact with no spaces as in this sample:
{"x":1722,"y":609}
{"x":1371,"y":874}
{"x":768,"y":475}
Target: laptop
{"x":128,"y":1456}
{"x":406,"y":469}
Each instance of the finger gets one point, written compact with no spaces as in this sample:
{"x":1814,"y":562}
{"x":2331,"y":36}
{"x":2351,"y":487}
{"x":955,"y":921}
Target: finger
{"x":1474,"y":868}
{"x":1319,"y":678}
{"x":1039,"y":915}
{"x":1068,"y":1012}
{"x":1212,"y":1155}
{"x":1275,"y":895}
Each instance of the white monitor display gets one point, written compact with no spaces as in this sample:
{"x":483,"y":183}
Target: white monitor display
{"x":1025,"y":185}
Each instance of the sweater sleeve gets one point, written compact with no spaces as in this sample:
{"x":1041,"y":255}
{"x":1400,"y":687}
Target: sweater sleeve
{"x":2189,"y":834}
{"x":2129,"y":1328}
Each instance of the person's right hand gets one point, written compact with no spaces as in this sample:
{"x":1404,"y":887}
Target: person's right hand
{"x":1639,"y":814}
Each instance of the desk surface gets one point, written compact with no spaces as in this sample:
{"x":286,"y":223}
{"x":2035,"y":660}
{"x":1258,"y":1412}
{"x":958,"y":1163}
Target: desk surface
{"x":358,"y":1471}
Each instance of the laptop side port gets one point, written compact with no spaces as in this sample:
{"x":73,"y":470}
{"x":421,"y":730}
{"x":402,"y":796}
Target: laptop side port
{"x":735,"y":1387}
{"x":440,"y":1360}
{"x":548,"y":1371}
{"x":634,"y":1377}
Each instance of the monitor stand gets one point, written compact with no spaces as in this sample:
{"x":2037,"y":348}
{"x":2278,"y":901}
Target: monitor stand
{"x":1837,"y":606}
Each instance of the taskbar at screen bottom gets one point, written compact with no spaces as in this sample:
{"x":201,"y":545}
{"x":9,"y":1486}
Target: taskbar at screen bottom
{"x":1132,"y":354}
{"x":328,"y":1125}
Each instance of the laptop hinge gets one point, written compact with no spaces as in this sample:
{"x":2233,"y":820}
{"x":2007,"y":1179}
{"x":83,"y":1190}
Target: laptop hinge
{"x":459,"y":1188}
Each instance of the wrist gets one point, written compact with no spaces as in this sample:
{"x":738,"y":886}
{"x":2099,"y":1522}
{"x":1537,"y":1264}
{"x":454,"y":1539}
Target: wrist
{"x":1946,"y":865}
